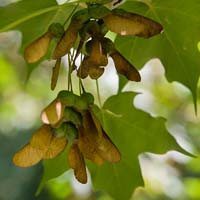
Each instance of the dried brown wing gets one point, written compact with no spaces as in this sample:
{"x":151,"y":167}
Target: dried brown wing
{"x":83,"y":70}
{"x":55,"y":73}
{"x":96,"y":56}
{"x":77,"y":163}
{"x":56,"y":147}
{"x":41,"y":139}
{"x":67,"y":41}
{"x":125,"y":23}
{"x":27,"y":156}
{"x":38,"y":48}
{"x":95,"y":72}
{"x":124,"y":67}
{"x":105,"y":147}
{"x":107,"y":150}
{"x":53,"y":113}
{"x":87,"y":145}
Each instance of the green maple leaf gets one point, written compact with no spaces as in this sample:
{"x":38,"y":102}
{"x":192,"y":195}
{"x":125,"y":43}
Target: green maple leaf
{"x":32,"y":19}
{"x":133,"y":132}
{"x":53,"y":168}
{"x":176,"y":47}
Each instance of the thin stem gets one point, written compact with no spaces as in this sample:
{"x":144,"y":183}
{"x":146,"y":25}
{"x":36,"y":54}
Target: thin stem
{"x":98,"y":93}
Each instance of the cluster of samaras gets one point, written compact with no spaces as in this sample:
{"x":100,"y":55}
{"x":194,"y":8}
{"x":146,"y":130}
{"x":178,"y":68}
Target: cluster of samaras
{"x":69,"y":119}
{"x":88,"y":28}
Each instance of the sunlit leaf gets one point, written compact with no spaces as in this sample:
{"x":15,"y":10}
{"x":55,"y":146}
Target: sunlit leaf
{"x":76,"y":162}
{"x":176,"y":49}
{"x":133,"y":132}
{"x":124,"y":23}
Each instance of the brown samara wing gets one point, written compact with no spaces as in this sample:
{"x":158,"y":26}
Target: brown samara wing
{"x":67,"y":41}
{"x":38,"y":48}
{"x":125,"y":23}
{"x":27,"y":156}
{"x":55,"y":74}
{"x":77,"y":163}
{"x":56,"y":147}
{"x":125,"y":68}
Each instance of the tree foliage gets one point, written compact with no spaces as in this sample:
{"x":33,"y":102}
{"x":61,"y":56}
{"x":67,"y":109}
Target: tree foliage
{"x":118,"y":125}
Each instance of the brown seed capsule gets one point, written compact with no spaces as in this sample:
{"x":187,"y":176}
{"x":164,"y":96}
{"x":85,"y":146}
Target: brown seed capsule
{"x":67,"y":41}
{"x":27,"y":156}
{"x":56,"y":147}
{"x":124,"y":23}
{"x":55,"y":73}
{"x":38,"y":48}
{"x":124,"y":67}
{"x":53,"y":113}
{"x":77,"y":163}
{"x":95,"y":51}
{"x":83,"y":70}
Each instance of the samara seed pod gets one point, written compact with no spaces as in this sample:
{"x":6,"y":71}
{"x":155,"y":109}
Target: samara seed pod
{"x":95,"y":72}
{"x":71,"y":132}
{"x":34,"y":151}
{"x":124,"y":67}
{"x":27,"y":156}
{"x":67,"y":41}
{"x":56,"y":29}
{"x":95,"y":51}
{"x":77,"y":163}
{"x":56,"y":147}
{"x":88,"y":97}
{"x":38,"y":48}
{"x":83,"y":70}
{"x":125,"y":23}
{"x":105,"y":147}
{"x":87,"y":145}
{"x":53,"y":113}
{"x":70,"y":115}
{"x":41,"y":138}
{"x":67,"y":98}
{"x":55,"y":74}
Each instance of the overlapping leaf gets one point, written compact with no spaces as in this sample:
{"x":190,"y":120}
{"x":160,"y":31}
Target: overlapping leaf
{"x":133,"y":132}
{"x":176,"y":46}
{"x":32,"y":19}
